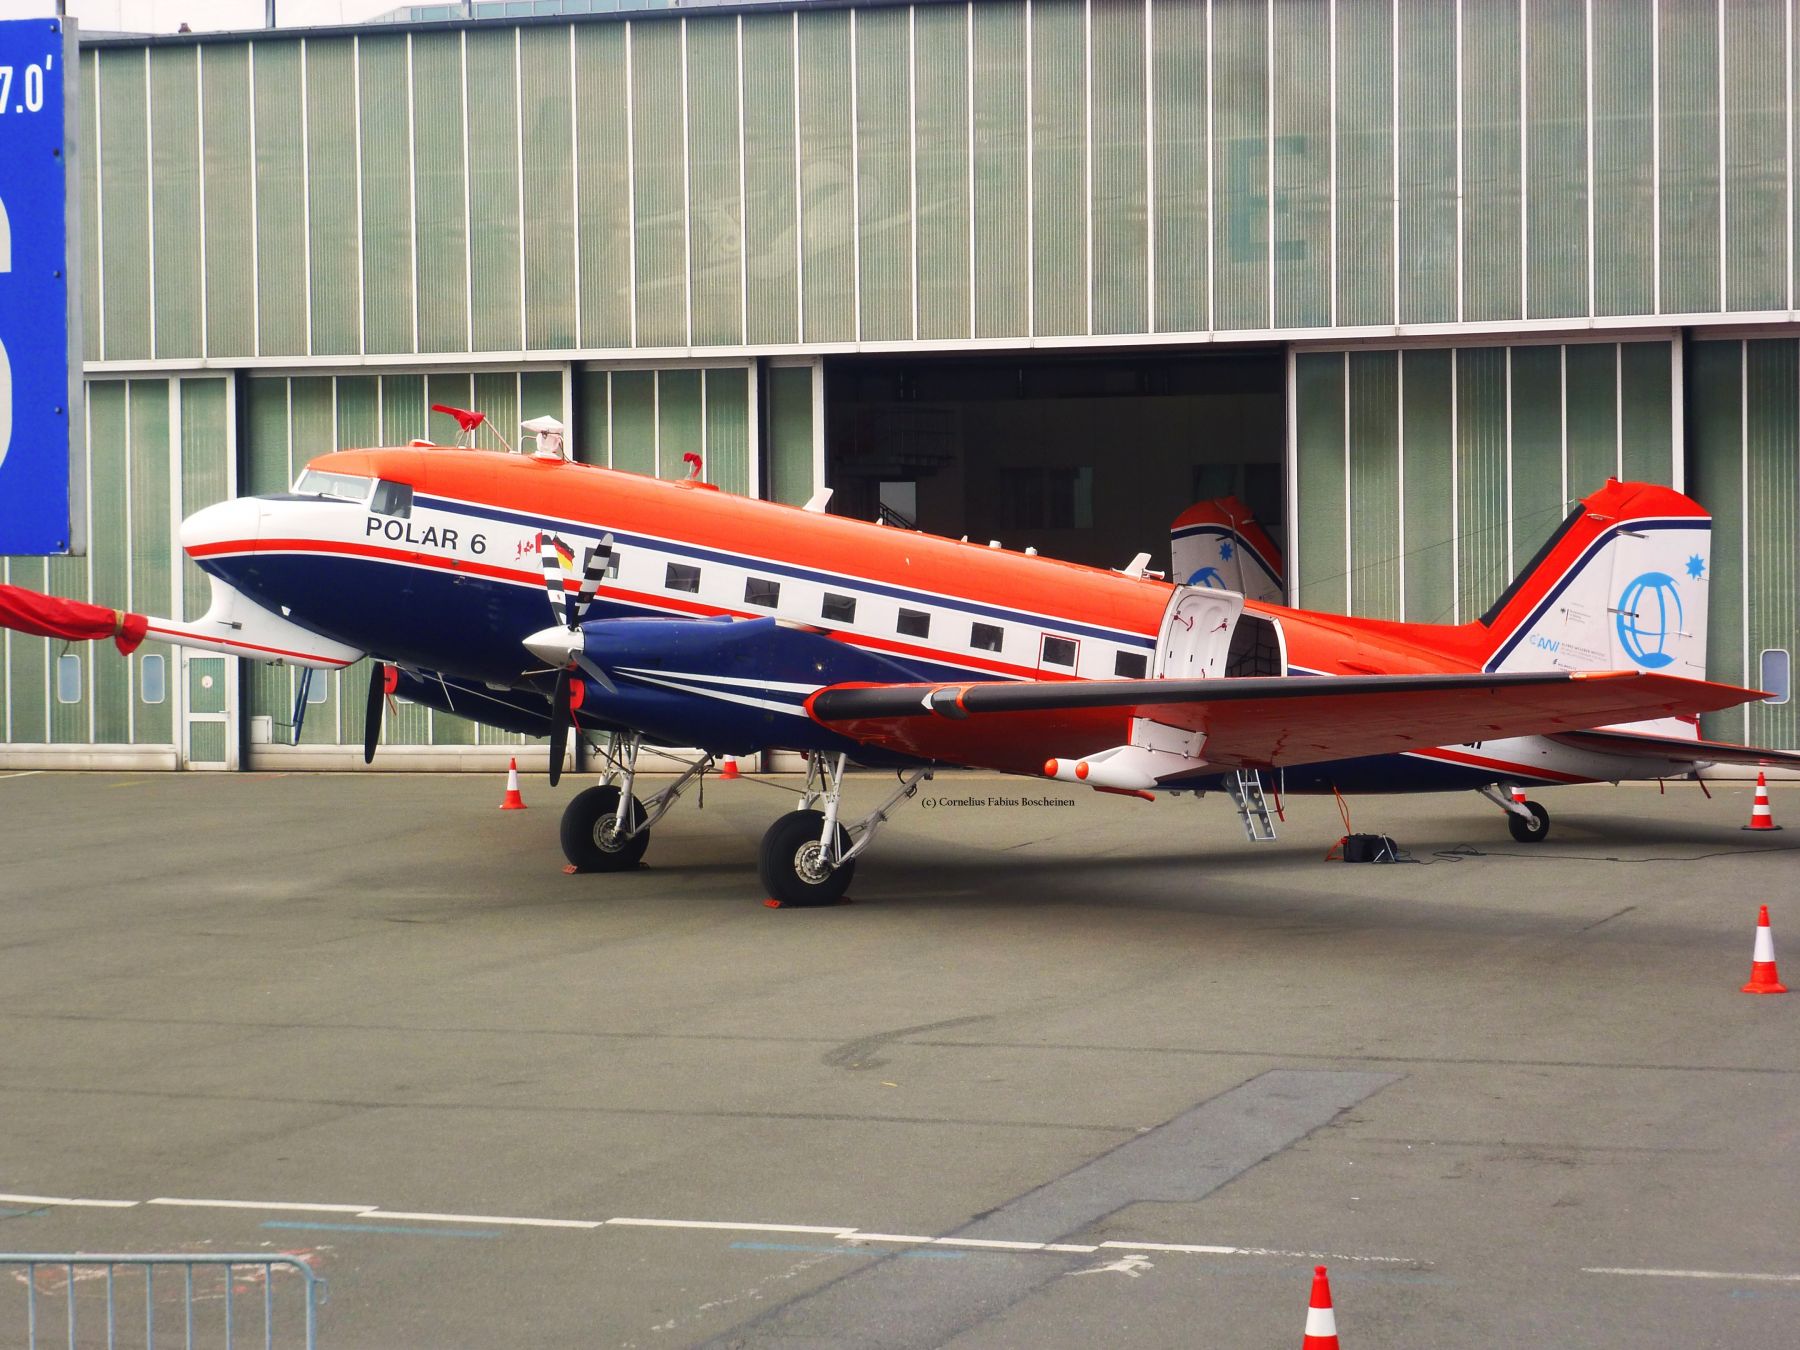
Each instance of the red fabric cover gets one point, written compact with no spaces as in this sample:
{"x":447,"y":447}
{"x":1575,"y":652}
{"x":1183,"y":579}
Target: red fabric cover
{"x":48,"y":616}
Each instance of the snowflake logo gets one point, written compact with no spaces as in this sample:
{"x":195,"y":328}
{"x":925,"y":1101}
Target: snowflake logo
{"x":1696,"y":567}
{"x":1225,"y":550}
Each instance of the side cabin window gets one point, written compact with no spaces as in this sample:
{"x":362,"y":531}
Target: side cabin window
{"x":1059,"y":651}
{"x":681,"y":577}
{"x":986,"y":637}
{"x":1131,"y":665}
{"x":838,"y":608}
{"x":392,"y":499}
{"x":762,"y":591}
{"x":1255,"y":648}
{"x":914,"y":623}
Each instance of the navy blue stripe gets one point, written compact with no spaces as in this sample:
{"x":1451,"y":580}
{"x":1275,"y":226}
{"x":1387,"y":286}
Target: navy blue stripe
{"x":1226,"y":531}
{"x":1117,"y":635}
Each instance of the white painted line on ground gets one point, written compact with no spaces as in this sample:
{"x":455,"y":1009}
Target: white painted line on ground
{"x":990,"y":1242}
{"x":835,"y":1230}
{"x":27,"y":773}
{"x":66,"y":1200}
{"x":479,"y":1218}
{"x":301,"y":1205}
{"x":1694,"y":1274}
{"x":1197,"y":1249}
{"x":854,"y":1236}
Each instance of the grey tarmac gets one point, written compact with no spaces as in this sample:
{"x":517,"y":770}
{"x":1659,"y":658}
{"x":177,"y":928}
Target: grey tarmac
{"x":1070,"y":1070}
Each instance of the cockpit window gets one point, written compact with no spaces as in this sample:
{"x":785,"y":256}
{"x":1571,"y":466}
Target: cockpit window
{"x":392,"y":499}
{"x":343,"y":487}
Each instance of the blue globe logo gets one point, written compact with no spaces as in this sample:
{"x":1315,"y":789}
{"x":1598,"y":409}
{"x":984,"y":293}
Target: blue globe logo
{"x":1649,"y":612}
{"x":1208,"y":576}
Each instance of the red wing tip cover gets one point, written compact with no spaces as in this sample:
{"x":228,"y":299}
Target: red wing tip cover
{"x":50,"y":616}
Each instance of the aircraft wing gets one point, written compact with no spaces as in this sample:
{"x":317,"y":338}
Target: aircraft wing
{"x":1679,"y":750}
{"x":1250,"y":722}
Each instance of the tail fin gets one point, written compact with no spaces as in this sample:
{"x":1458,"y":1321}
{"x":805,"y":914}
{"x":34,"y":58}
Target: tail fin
{"x":1218,"y":543}
{"x":1621,"y":585}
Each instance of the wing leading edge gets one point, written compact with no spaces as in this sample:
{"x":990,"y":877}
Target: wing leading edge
{"x":1251,"y":722}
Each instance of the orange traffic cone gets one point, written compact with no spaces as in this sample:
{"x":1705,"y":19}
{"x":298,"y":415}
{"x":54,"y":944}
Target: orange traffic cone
{"x":1321,"y":1322}
{"x":1763,"y":977}
{"x":512,"y":801}
{"x":728,"y":768}
{"x":1761,"y":818}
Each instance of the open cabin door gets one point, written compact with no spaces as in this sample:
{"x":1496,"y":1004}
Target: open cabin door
{"x":1195,"y":642}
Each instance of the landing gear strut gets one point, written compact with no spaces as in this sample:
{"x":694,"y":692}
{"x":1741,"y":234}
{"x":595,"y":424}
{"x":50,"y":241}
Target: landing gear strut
{"x":807,"y":857}
{"x":606,"y":828}
{"x":1528,"y":821}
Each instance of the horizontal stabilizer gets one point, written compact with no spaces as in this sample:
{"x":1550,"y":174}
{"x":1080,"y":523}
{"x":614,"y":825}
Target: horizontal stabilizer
{"x":1679,"y":749}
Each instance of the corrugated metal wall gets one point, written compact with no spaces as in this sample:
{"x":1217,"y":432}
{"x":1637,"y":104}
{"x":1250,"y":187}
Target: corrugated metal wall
{"x":1007,"y":170}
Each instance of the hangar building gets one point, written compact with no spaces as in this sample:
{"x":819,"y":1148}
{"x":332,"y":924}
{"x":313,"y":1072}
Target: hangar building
{"x":1408,"y":276}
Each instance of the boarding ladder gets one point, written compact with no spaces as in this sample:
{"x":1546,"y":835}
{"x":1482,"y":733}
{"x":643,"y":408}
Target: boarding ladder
{"x":1245,"y":787}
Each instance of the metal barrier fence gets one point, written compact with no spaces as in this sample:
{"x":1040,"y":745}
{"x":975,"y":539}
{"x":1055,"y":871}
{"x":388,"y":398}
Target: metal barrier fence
{"x":83,"y":1299}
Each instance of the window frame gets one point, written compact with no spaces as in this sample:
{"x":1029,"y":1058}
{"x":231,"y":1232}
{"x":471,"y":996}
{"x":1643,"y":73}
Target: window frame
{"x":846,"y":600}
{"x":772,"y":599}
{"x":1045,"y":659}
{"x":923,"y":618}
{"x":676,"y":574}
{"x":976,"y":630}
{"x":1122,"y":657}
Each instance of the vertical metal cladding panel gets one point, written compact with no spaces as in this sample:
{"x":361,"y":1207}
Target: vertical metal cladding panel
{"x":442,"y":237}
{"x":592,"y":443}
{"x":1183,"y":238}
{"x":152,"y":563}
{"x":547,"y":131}
{"x":1240,"y":164}
{"x":1535,"y":456}
{"x":728,"y":429}
{"x":1002,"y":172}
{"x":335,"y":238}
{"x":540,"y":394}
{"x":1689,"y":133}
{"x":494,"y":243}
{"x":1624,"y":135}
{"x":1365,"y":162}
{"x":93,"y":281}
{"x":402,"y":409}
{"x":1059,"y":166}
{"x":659,"y":229}
{"x":1755,"y":168}
{"x":1121,"y":203}
{"x":458,"y":391}
{"x":1556,"y":161}
{"x":884,"y":174}
{"x":1427,"y":262}
{"x":771,"y":258}
{"x":387,"y":237}
{"x":27,"y":683}
{"x":1320,"y":449}
{"x":110,"y":457}
{"x":1771,"y":524}
{"x":827,"y":206}
{"x":1302,"y":148}
{"x":227,"y":243}
{"x":1491,"y":169}
{"x":206,"y":445}
{"x":715,"y":211}
{"x":268,"y":690}
{"x":124,"y":205}
{"x":1714,"y":396}
{"x":1373,"y":448}
{"x":281,"y":244}
{"x":680,"y":426}
{"x":634,"y":421}
{"x":1428,"y":424}
{"x":1481,"y":515}
{"x":941,"y":173}
{"x":175,"y":198}
{"x":1646,"y":413}
{"x":603,"y":172}
{"x":438,"y":728}
{"x":68,"y":721}
{"x":790,"y":422}
{"x":358,"y":412}
{"x":1590,"y":372}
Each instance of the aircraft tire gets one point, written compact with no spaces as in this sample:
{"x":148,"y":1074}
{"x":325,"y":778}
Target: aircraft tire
{"x":1533,"y":831}
{"x":587,"y":837}
{"x":788,"y":863}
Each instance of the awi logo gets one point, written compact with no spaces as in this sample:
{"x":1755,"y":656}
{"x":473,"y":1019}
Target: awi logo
{"x":1648,"y":615}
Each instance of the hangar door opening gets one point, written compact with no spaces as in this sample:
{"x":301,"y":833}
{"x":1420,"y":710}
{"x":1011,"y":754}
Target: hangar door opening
{"x":1081,"y":457}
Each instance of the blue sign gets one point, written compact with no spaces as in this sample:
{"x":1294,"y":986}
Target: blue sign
{"x":38,"y":362}
{"x":1649,"y":615}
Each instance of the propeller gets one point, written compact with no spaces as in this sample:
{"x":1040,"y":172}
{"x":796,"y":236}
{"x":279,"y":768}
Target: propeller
{"x":383,"y":680}
{"x":569,"y":608}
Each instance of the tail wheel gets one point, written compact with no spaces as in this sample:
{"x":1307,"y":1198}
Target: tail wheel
{"x":1533,"y":831}
{"x":794,"y":868}
{"x":591,"y":838}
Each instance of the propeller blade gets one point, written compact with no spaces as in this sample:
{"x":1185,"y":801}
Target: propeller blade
{"x":378,"y":688}
{"x":561,"y":714}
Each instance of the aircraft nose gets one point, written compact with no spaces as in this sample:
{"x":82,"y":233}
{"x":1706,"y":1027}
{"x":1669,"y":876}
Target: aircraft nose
{"x":223,"y":523}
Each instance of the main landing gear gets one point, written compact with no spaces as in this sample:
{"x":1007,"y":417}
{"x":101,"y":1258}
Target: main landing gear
{"x":807,"y":856}
{"x":1528,"y":821}
{"x":606,"y":828}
